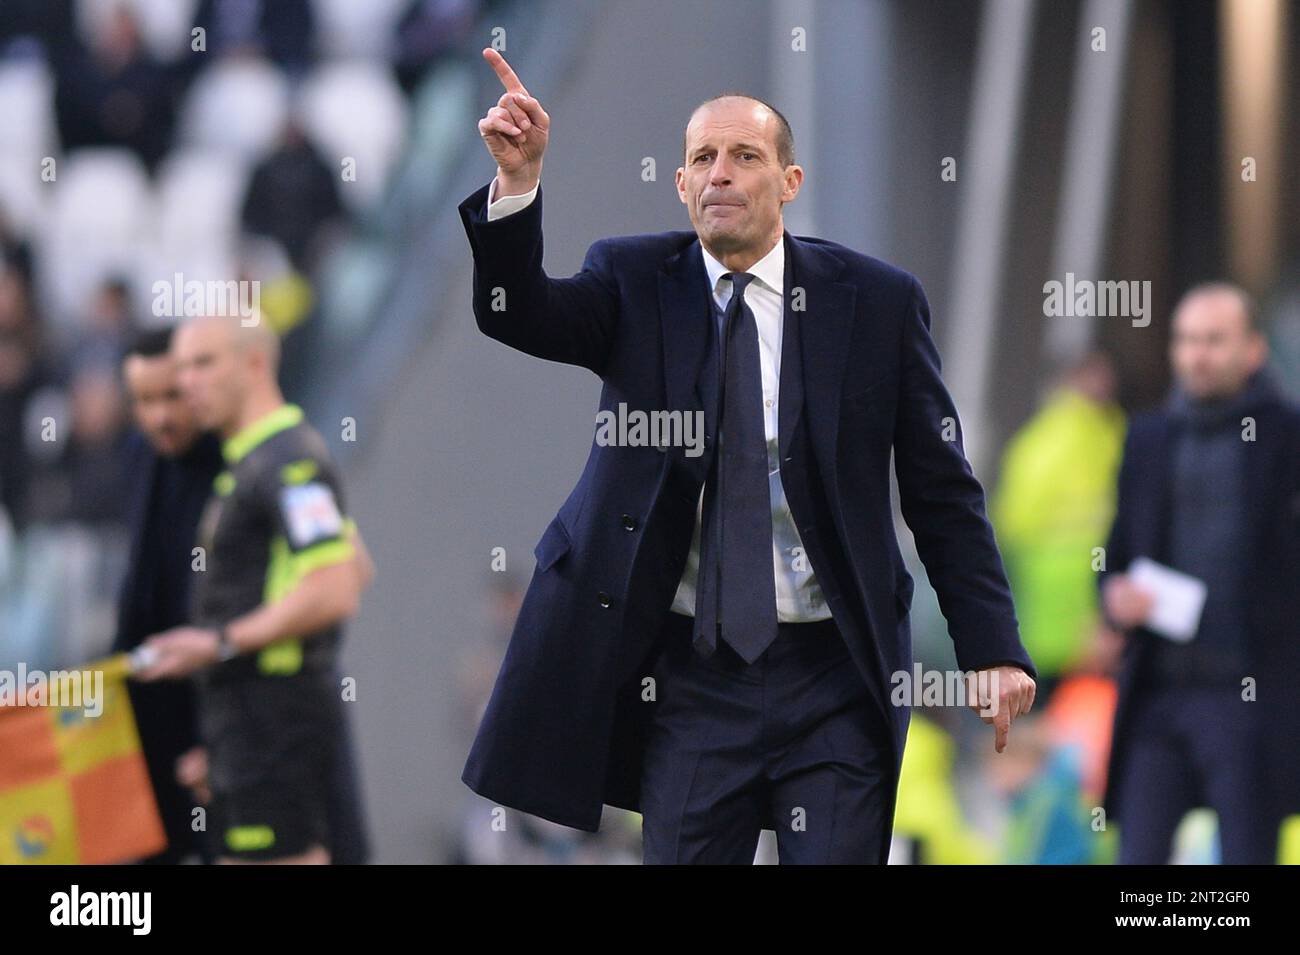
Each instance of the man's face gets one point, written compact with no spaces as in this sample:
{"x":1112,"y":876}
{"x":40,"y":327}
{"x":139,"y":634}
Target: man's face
{"x":1213,"y":350}
{"x":733,"y":184}
{"x":212,"y":372}
{"x":157,"y":405}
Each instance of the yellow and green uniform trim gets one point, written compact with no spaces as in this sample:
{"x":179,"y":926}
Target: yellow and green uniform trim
{"x":249,"y":838}
{"x":237,"y":446}
{"x":285,"y":568}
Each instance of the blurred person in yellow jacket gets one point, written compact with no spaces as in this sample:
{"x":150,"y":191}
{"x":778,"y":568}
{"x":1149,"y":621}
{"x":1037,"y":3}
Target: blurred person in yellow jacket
{"x":930,"y":816}
{"x":1053,"y":505}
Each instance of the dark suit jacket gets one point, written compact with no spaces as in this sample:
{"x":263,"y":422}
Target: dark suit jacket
{"x":163,"y":512}
{"x":859,"y":377}
{"x":1272,"y":496}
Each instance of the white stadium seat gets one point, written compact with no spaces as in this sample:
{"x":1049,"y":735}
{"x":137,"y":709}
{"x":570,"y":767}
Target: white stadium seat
{"x":27,"y":109}
{"x":345,"y":28}
{"x":196,"y":229}
{"x":199,"y":197}
{"x":22,"y":193}
{"x":355,"y":109}
{"x":100,"y":209}
{"x":237,"y":107}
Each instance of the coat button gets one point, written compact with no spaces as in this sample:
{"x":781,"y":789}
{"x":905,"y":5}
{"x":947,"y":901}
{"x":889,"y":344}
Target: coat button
{"x":604,"y":599}
{"x":629,"y":522}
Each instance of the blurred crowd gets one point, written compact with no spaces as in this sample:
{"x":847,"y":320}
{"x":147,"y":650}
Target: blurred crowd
{"x":141,"y":140}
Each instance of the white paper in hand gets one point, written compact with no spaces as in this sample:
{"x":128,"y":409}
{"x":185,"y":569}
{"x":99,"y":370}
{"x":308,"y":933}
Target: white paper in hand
{"x":1179,"y":598}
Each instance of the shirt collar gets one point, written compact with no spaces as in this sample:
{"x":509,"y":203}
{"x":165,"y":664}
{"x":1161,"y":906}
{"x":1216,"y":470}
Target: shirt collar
{"x":234,"y":448}
{"x":769,"y":270}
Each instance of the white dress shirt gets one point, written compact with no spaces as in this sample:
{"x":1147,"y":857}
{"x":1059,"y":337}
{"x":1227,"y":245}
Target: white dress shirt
{"x":798,"y":595}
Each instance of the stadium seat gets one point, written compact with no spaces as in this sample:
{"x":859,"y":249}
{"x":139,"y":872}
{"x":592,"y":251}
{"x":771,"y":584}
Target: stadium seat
{"x":27,"y":109}
{"x":237,"y":107}
{"x":196,"y":229}
{"x":99,"y":211}
{"x":22,"y":193}
{"x":349,"y":29}
{"x":355,"y":110}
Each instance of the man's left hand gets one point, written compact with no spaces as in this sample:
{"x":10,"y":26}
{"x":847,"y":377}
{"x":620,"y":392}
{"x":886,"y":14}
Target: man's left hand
{"x":999,"y":694}
{"x":180,"y":652}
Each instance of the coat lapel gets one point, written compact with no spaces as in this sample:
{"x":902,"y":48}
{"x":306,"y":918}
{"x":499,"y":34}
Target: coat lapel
{"x":818,"y":319}
{"x":684,"y":313}
{"x":819,"y":315}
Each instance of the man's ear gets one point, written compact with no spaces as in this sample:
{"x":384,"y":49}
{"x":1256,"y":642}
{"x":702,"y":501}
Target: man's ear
{"x":798,"y":181}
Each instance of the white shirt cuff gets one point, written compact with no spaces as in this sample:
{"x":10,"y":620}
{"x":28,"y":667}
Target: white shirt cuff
{"x":499,"y":208}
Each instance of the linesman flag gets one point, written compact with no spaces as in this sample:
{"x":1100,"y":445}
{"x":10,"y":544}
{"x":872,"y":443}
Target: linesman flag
{"x":74,"y":787}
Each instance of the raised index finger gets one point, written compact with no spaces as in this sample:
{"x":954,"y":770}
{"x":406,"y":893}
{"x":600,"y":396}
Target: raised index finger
{"x":504,"y":73}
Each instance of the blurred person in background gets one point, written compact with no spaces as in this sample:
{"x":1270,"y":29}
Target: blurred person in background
{"x":1054,"y":503}
{"x":293,"y":197}
{"x":105,"y":334}
{"x":427,"y":31}
{"x":1210,"y":486}
{"x":84,"y":479}
{"x":931,"y":825}
{"x":115,"y":93}
{"x":1048,"y":817}
{"x":284,"y":570}
{"x":173,"y":465}
{"x":283,"y":31}
{"x":63,"y":482}
{"x":22,"y":373}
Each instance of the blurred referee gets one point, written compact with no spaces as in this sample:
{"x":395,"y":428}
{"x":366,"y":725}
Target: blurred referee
{"x":284,"y":569}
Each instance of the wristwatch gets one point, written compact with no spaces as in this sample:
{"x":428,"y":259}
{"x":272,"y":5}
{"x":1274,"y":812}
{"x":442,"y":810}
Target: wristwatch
{"x":226,"y":648}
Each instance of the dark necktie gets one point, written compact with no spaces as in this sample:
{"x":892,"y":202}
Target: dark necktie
{"x":735,"y":596}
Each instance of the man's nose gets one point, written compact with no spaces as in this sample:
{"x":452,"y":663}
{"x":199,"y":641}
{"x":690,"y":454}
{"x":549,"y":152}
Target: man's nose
{"x":720,"y":174}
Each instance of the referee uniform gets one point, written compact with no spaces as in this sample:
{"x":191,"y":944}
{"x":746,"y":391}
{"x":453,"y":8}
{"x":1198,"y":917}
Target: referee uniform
{"x":272,"y":719}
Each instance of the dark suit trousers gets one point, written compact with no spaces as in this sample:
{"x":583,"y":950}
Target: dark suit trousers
{"x":790,"y":743}
{"x":1194,"y":747}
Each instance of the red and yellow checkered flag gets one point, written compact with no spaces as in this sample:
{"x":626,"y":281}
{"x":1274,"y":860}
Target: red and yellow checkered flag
{"x":74,"y":787}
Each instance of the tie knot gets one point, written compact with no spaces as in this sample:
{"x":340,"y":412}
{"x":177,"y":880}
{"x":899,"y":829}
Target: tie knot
{"x":738,"y":282}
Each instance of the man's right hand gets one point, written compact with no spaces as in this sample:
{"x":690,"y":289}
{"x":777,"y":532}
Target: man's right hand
{"x":515,"y":132}
{"x":1127,"y":604}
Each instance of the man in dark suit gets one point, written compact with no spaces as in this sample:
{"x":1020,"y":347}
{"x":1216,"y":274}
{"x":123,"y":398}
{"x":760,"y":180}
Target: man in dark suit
{"x":174,"y":464}
{"x":712,"y":627}
{"x":1209,"y":485}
